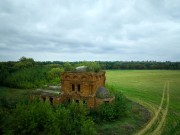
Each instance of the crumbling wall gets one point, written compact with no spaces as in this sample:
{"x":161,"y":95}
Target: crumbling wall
{"x":88,"y":83}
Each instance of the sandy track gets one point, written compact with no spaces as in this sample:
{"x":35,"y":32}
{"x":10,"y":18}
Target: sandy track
{"x":158,"y":120}
{"x":161,"y":124}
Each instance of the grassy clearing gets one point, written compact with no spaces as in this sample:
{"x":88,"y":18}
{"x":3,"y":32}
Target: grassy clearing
{"x":12,"y":93}
{"x":158,"y":90}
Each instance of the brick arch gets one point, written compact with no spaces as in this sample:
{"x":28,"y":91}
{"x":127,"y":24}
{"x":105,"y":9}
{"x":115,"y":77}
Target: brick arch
{"x":83,"y":78}
{"x":67,"y":77}
{"x":75,"y":77}
{"x":90,"y":77}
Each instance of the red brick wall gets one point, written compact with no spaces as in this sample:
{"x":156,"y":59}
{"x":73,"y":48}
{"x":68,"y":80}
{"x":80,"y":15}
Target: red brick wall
{"x":88,"y":81}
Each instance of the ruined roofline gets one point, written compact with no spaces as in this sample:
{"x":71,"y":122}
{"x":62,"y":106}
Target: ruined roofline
{"x":83,"y":69}
{"x":88,"y":72}
{"x":46,"y":93}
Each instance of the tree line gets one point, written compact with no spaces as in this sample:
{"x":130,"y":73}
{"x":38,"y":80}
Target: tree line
{"x":111,"y":65}
{"x":27,"y":73}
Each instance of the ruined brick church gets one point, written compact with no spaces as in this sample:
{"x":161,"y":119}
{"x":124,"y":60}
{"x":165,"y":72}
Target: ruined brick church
{"x":81,"y":86}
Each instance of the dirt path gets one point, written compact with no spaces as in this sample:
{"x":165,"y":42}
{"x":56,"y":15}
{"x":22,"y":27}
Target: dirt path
{"x":161,"y":124}
{"x":159,"y":115}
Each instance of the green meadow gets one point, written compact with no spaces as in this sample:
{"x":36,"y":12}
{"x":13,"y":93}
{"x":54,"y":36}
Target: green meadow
{"x":158,"y":91}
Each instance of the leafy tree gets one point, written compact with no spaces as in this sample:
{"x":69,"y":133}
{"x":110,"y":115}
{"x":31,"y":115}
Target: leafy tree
{"x":94,"y":66}
{"x":81,"y":124}
{"x":3,"y":75}
{"x":38,"y":117}
{"x":34,"y":118}
{"x":54,"y":75}
{"x":68,"y":66}
{"x":25,"y":63}
{"x":114,"y":110}
{"x":2,"y":120}
{"x":91,"y":66}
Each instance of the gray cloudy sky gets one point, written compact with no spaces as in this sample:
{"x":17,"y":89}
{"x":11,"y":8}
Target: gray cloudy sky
{"x":73,"y":30}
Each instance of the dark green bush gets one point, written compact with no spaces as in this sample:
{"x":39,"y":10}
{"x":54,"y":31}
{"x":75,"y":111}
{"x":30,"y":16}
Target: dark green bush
{"x":72,"y":119}
{"x":38,"y":117}
{"x":111,"y":111}
{"x":2,"y":120}
{"x":33,"y":118}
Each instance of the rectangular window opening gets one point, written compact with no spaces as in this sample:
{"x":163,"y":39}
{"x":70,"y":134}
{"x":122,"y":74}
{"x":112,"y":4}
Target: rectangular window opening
{"x":51,"y":100}
{"x":79,"y":87}
{"x":73,"y":87}
{"x":84,"y":102}
{"x":44,"y":99}
{"x":106,"y":101}
{"x":77,"y":101}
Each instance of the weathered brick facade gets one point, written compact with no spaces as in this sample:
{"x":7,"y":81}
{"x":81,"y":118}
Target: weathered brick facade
{"x":80,"y":87}
{"x":83,"y":86}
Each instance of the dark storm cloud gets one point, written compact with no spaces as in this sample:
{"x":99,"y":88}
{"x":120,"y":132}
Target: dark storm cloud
{"x":90,"y":30}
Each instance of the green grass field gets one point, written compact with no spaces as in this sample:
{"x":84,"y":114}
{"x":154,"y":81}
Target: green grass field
{"x":158,"y":90}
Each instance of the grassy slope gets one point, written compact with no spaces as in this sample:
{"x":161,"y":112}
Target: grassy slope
{"x":136,"y":116}
{"x":146,"y":87}
{"x":12,"y":93}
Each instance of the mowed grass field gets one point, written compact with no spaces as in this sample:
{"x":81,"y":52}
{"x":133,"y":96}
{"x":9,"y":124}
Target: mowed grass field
{"x":158,"y":90}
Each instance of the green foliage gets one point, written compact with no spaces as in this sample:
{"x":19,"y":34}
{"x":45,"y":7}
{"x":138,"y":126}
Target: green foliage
{"x":94,"y":66}
{"x":61,"y":123}
{"x":80,"y":123}
{"x":33,"y":118}
{"x":106,"y":112}
{"x":55,"y":66}
{"x":4,"y":73}
{"x":26,"y":73}
{"x":27,"y":78}
{"x":111,"y":111}
{"x":91,"y":66}
{"x":139,"y":65}
{"x":2,"y":120}
{"x":68,"y":67}
{"x":25,"y":63}
{"x":54,"y":75}
{"x":38,"y":117}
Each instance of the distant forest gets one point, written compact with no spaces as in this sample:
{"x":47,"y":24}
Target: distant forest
{"x":27,"y":73}
{"x":113,"y":65}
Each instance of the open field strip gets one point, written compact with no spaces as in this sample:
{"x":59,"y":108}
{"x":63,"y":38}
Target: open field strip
{"x":157,"y":120}
{"x":161,"y":124}
{"x":155,"y":117}
{"x":152,"y":89}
